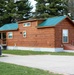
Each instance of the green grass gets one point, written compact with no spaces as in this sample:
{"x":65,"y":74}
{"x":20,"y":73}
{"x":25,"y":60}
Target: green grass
{"x":22,"y":52}
{"x":11,"y":69}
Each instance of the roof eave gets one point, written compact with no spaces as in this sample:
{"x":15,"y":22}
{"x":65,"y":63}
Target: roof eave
{"x":44,"y":26}
{"x":30,"y":20}
{"x":66,"y":18}
{"x":8,"y":30}
{"x":70,"y":20}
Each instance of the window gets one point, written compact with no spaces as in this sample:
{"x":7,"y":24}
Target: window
{"x":26,"y":24}
{"x":10,"y":35}
{"x":24,"y":34}
{"x":65,"y":36}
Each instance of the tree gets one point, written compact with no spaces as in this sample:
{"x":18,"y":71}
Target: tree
{"x":10,"y":10}
{"x":70,"y":7}
{"x":2,"y":10}
{"x":46,"y":8}
{"x":23,"y":9}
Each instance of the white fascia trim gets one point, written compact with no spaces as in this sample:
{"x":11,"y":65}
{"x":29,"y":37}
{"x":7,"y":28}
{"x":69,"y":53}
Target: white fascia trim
{"x":35,"y":49}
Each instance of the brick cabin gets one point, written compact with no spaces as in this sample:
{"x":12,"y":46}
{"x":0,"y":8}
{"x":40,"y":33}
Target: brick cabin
{"x":38,"y":35}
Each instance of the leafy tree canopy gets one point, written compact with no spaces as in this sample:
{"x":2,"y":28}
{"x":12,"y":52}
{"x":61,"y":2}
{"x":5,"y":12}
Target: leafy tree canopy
{"x":11,"y":11}
{"x":70,"y":8}
{"x":47,"y":8}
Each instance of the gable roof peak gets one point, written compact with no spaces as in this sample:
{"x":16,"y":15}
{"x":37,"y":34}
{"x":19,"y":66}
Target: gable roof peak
{"x":51,"y":21}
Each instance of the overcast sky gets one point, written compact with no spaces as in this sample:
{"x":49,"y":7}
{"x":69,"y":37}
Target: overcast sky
{"x":33,"y":4}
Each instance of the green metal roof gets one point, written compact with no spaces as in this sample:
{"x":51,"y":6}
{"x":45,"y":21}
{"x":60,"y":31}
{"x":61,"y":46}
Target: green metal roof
{"x":11,"y":26}
{"x":51,"y":21}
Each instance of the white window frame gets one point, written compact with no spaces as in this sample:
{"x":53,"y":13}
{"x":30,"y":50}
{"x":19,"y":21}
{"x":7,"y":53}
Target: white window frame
{"x":10,"y":34}
{"x":65,"y":33}
{"x":23,"y":34}
{"x":26,"y":24}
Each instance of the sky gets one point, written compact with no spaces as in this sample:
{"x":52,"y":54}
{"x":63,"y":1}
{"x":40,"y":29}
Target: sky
{"x":33,"y":4}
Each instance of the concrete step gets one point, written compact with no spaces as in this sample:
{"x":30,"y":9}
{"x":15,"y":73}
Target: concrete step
{"x":68,"y":47}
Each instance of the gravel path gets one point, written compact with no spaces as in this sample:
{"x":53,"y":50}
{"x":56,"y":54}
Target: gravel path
{"x":53,"y":63}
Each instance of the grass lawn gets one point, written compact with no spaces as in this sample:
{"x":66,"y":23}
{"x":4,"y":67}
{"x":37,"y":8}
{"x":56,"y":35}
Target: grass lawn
{"x":11,"y":69}
{"x":22,"y":52}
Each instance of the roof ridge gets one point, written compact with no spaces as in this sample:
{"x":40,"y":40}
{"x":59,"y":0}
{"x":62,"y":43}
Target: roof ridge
{"x":58,"y":16}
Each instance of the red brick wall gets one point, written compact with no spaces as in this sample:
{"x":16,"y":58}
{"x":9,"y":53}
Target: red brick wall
{"x":65,"y":24}
{"x":44,"y":37}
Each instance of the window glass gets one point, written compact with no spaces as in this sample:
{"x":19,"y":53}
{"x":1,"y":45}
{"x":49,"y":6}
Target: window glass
{"x":10,"y":35}
{"x":24,"y":34}
{"x":27,"y":24}
{"x":65,"y":35}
